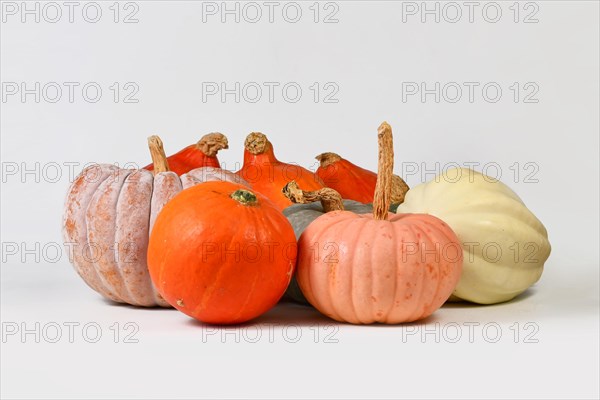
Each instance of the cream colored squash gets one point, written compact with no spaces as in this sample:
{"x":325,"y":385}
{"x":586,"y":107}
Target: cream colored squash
{"x":504,"y":244}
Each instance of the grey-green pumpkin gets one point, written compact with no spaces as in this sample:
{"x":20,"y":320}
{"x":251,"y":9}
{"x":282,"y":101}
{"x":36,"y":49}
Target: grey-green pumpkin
{"x":311,"y":206}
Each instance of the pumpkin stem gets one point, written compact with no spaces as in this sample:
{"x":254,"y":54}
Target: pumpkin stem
{"x":157,"y":152}
{"x":244,"y":197}
{"x":256,"y":143}
{"x":385,"y":171}
{"x":399,"y":189}
{"x":211,"y":143}
{"x":330,"y":199}
{"x":327,"y":159}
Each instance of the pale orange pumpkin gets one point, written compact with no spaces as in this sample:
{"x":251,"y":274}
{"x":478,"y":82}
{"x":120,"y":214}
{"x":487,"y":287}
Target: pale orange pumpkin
{"x":366,"y":268}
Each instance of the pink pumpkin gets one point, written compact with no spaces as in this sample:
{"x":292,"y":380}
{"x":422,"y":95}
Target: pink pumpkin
{"x":109,"y":213}
{"x":363,"y":268}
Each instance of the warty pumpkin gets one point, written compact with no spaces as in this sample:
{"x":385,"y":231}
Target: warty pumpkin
{"x":505,"y":245}
{"x":108,"y":215}
{"x":201,"y":154}
{"x":366,"y":268}
{"x":221,"y":253}
{"x":268,"y":175}
{"x":354,"y":182}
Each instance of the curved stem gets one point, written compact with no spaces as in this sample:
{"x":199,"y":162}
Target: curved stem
{"x":211,"y":143}
{"x":157,"y":152}
{"x":385,"y":171}
{"x":330,"y":199}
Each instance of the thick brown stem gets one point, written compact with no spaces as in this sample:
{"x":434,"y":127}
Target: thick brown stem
{"x":329,"y":198}
{"x":327,"y":159}
{"x":211,"y":143}
{"x":385,"y":171}
{"x":399,"y":189}
{"x":157,"y":152}
{"x":256,"y":143}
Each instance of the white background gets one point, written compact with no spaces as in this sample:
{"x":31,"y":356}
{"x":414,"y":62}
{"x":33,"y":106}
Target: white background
{"x":367,"y":54}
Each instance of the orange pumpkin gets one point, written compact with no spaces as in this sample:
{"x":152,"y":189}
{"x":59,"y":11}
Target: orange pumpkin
{"x":201,"y":154}
{"x":354,"y":182}
{"x":221,"y":253}
{"x":363,"y":268}
{"x":268,"y":175}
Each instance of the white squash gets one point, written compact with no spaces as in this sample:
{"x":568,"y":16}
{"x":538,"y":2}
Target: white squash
{"x":504,"y":244}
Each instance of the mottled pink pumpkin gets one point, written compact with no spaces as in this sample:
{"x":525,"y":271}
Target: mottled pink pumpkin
{"x":363,"y":268}
{"x":109,"y":213}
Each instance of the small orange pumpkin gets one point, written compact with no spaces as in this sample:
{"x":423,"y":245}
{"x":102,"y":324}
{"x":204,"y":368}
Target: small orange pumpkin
{"x":365,"y":268}
{"x":354,"y":182}
{"x":201,"y":154}
{"x":221,"y":253}
{"x":268,"y":175}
